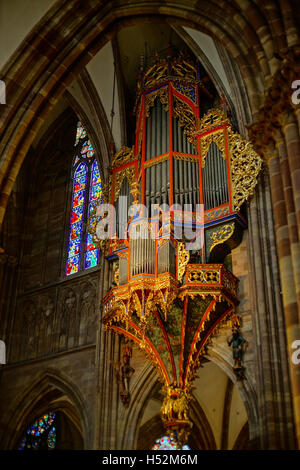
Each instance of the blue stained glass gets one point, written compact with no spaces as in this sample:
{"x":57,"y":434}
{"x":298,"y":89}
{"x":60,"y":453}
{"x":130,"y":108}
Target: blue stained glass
{"x":91,"y":259}
{"x":41,"y":434}
{"x":92,"y":253}
{"x":85,"y":147}
{"x":167,"y":443}
{"x":95,"y":192}
{"x":87,"y":171}
{"x":76,"y":223}
{"x":74,"y":248}
{"x":80,"y":133}
{"x":73,"y":265}
{"x":90,"y":244}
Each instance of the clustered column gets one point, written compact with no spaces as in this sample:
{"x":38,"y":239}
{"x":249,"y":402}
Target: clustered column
{"x":284,"y":168}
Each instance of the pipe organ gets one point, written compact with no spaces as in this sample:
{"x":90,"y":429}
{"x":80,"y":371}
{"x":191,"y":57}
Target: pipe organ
{"x":168,"y":300}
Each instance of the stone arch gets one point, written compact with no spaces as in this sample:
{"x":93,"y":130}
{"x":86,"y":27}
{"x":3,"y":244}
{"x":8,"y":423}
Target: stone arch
{"x":48,"y":386}
{"x":147,"y":381}
{"x":201,"y":438}
{"x":95,"y":122}
{"x":35,"y":94}
{"x":142,"y":388}
{"x":245,"y":388}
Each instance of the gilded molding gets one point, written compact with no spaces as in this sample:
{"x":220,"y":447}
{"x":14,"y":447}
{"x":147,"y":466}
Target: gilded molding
{"x":154,"y":161}
{"x":186,"y":158}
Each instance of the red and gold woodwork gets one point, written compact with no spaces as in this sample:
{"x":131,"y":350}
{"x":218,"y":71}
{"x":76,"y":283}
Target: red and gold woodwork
{"x":167,"y":300}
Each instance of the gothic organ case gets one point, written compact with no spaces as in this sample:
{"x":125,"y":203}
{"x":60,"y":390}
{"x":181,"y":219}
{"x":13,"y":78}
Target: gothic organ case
{"x":168,"y":299}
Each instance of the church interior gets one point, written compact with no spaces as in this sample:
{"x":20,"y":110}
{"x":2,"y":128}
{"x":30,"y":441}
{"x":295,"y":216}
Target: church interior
{"x":149,"y":225}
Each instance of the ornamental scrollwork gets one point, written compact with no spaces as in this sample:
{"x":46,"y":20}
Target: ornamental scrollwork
{"x":219,"y":138}
{"x":161,"y":93}
{"x":221,"y":235}
{"x":186,"y":117}
{"x":128,"y":173}
{"x":124,"y":155}
{"x":245,"y":166}
{"x":204,"y":276}
{"x":183,"y":257}
{"x":215,"y":117}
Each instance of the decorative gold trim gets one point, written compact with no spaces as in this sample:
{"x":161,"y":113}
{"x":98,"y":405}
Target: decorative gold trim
{"x":155,"y":73}
{"x":213,"y":214}
{"x":245,"y":163}
{"x":161,"y":93}
{"x":124,"y":155}
{"x":183,"y":257}
{"x":245,"y":166}
{"x":216,"y":136}
{"x":212,"y":276}
{"x":186,"y":158}
{"x":116,"y":273}
{"x":215,"y":117}
{"x":154,"y":161}
{"x":162,"y":70}
{"x":186,"y":116}
{"x":128,"y":173}
{"x":221,"y":235}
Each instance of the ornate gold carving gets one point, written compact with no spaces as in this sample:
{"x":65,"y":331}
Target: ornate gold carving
{"x":161,"y":93}
{"x":128,"y":173}
{"x":216,"y":136}
{"x":245,"y":163}
{"x":175,"y":405}
{"x":165,"y":301}
{"x":182,"y":67}
{"x":128,"y":293}
{"x":205,"y":276}
{"x":116,"y":274}
{"x":156,"y":73}
{"x":106,"y":190}
{"x":216,"y":213}
{"x":221,"y":235}
{"x":186,"y":116}
{"x":245,"y":166}
{"x":183,"y":257}
{"x":215,"y":117}
{"x":162,"y":70}
{"x":124,"y":155}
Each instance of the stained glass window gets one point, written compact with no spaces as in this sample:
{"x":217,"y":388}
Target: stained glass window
{"x":41,"y":434}
{"x":86,"y":190}
{"x":167,"y":443}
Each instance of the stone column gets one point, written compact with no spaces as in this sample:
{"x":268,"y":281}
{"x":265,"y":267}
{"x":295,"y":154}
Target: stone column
{"x":289,"y":294}
{"x":275,"y":416}
{"x":292,"y":140}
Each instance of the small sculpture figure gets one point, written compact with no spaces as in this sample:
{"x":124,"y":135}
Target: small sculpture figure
{"x":239,"y":345}
{"x":123,"y":374}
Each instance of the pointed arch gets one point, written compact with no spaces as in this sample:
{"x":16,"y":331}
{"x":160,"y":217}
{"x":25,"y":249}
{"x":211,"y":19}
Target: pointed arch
{"x":48,"y":387}
{"x":86,"y":191}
